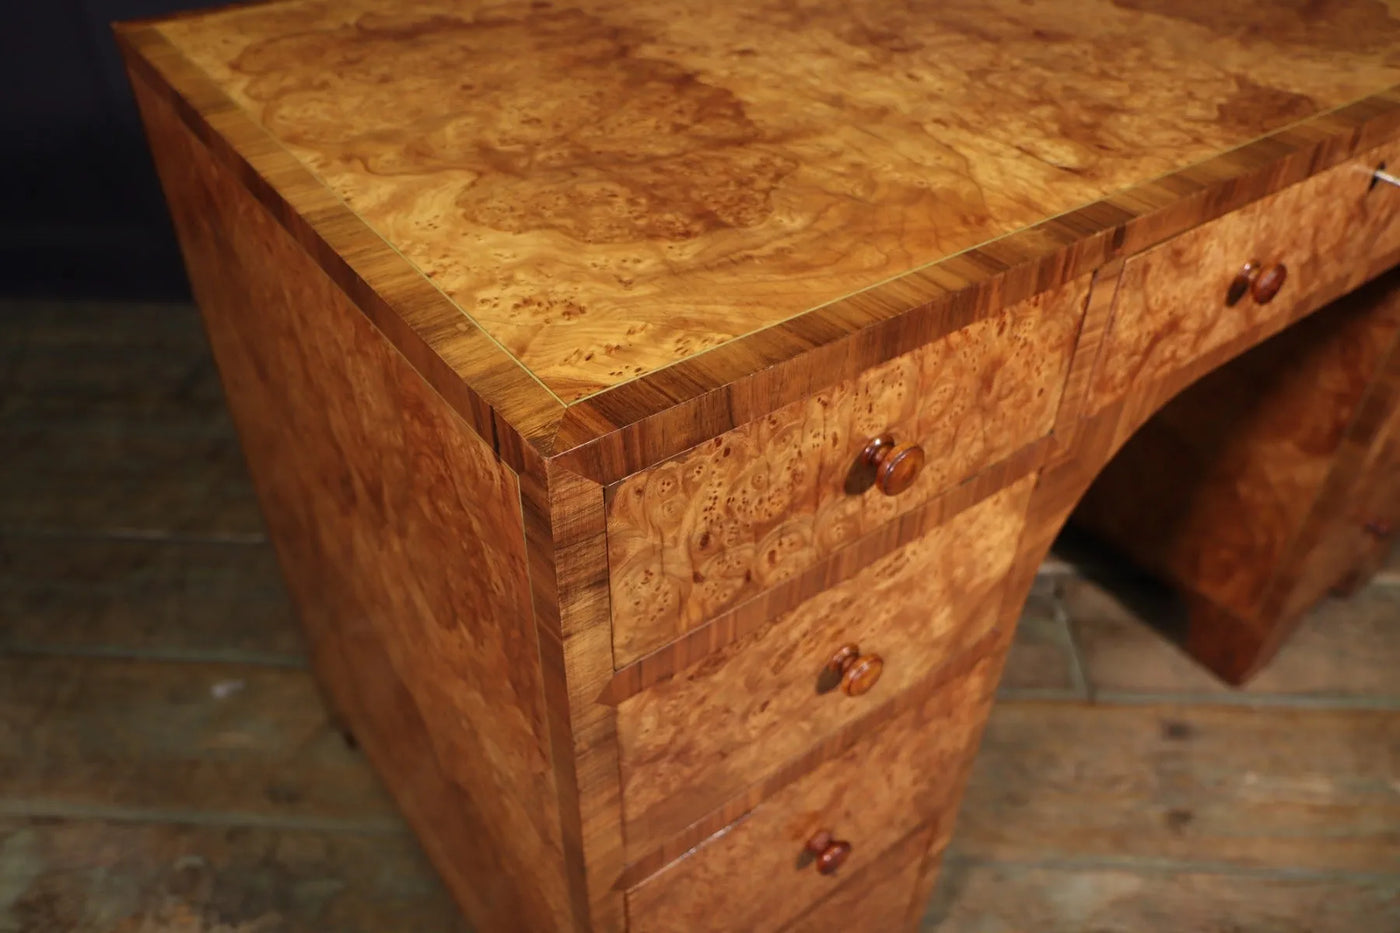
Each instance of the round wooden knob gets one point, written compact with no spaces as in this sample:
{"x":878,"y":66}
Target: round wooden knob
{"x":891,"y":466}
{"x":899,"y":468}
{"x":1267,"y":284}
{"x":862,"y":674}
{"x":830,"y":853}
{"x":1256,"y":281}
{"x":853,"y":672}
{"x":1243,"y":282}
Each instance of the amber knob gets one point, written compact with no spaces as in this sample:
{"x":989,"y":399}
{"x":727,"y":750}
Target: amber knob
{"x":1259,"y":283}
{"x":829,"y":852}
{"x":853,"y":672}
{"x":1242,"y":282}
{"x":891,"y":466}
{"x":1267,"y":284}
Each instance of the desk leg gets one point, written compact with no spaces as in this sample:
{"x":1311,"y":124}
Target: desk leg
{"x":1267,"y":483}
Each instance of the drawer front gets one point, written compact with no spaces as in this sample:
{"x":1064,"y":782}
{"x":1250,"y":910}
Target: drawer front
{"x":755,"y":877}
{"x":880,"y":899}
{"x":711,"y":527}
{"x":690,"y":744}
{"x":1172,"y":300}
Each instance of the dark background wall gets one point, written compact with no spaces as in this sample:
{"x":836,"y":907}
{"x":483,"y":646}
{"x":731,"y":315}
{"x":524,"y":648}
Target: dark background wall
{"x":81,"y":213}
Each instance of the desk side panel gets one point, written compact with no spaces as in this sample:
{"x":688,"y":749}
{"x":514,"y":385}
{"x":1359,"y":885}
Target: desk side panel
{"x":400,"y":534}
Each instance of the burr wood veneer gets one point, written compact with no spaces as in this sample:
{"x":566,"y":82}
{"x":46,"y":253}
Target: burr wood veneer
{"x":661,"y":410}
{"x":1273,"y":480}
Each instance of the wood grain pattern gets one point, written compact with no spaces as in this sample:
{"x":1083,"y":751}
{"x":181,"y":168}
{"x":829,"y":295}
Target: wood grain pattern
{"x":129,"y":481}
{"x":1078,"y":392}
{"x":1115,"y":782}
{"x":101,"y":409}
{"x":1247,"y":480}
{"x":124,"y":598}
{"x":1172,"y":308}
{"x":617,"y":432}
{"x":703,"y":180}
{"x":1344,"y":649}
{"x":376,"y":493}
{"x":850,"y":736}
{"x":759,"y":504}
{"x":1044,"y":659}
{"x":750,"y":876}
{"x":565,"y":532}
{"x":754,"y":613}
{"x":689,"y":744}
{"x":484,"y":385}
{"x":1350,"y":533}
{"x":661,"y":414}
{"x":237,"y":741}
{"x":125,"y":365}
{"x":1225,"y":474}
{"x":1117,"y":898}
{"x":505,"y":256}
{"x":877,"y":899}
{"x":89,"y":876}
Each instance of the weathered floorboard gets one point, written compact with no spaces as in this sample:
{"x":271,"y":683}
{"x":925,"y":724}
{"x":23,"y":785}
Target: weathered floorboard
{"x":1312,"y":790}
{"x":178,"y":742}
{"x":180,"y":600}
{"x":91,"y":876}
{"x":1074,"y":898}
{"x":1344,"y":651}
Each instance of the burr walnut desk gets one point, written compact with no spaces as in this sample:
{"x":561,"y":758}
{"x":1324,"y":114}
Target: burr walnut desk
{"x":660,"y":410}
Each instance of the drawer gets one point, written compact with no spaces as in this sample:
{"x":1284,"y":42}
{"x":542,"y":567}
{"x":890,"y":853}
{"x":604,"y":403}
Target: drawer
{"x":755,"y":875}
{"x":1172,"y":300}
{"x":692,"y":743}
{"x":880,"y":899}
{"x":705,"y":530}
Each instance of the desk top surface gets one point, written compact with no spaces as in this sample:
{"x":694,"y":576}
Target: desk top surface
{"x":607,"y":188}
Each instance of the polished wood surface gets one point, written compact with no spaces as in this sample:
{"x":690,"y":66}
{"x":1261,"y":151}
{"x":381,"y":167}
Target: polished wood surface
{"x":765,"y":501}
{"x":1364,"y":532}
{"x":693,"y":742}
{"x":651,"y":417}
{"x":756,"y":613}
{"x":1227,"y":472}
{"x":1258,"y":481}
{"x":1296,"y":245}
{"x":759,"y":874}
{"x":702,"y":178}
{"x":147,"y":789}
{"x":565,"y":532}
{"x":740,"y":370}
{"x":879,"y":897}
{"x":375,"y":495}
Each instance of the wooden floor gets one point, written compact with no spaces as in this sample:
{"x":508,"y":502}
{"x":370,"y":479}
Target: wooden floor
{"x":165,"y":764}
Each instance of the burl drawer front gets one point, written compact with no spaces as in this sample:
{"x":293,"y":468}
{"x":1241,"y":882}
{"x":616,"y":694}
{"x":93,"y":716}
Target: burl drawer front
{"x":757,"y":875}
{"x":705,"y":530}
{"x":880,"y":899}
{"x":690,"y":744}
{"x":1310,"y":241}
